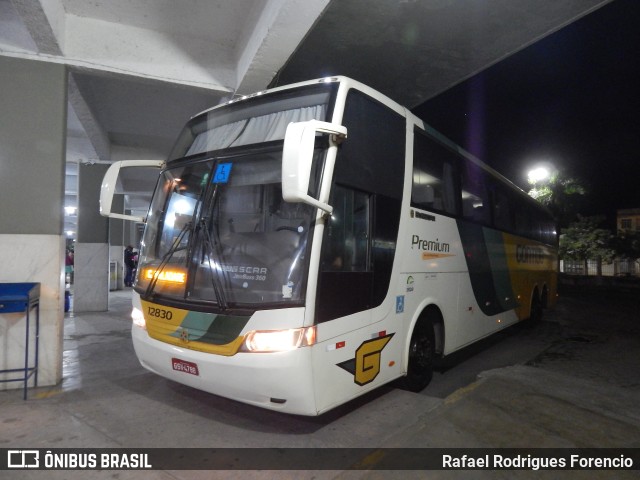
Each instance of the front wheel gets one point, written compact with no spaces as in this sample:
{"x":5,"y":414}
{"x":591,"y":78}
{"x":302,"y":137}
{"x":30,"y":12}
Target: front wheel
{"x":421,"y":355}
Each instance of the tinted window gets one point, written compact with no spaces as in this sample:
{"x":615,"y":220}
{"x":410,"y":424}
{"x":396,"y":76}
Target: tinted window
{"x":475,"y":197}
{"x":503,"y":208}
{"x":372,"y":157}
{"x":434,"y":177}
{"x":360,"y":240}
{"x":347,"y":232}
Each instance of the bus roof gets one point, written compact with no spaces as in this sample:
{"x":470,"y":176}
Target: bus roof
{"x":351,"y":83}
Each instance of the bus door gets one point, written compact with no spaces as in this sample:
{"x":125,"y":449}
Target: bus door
{"x":353,"y":306}
{"x":353,"y":313}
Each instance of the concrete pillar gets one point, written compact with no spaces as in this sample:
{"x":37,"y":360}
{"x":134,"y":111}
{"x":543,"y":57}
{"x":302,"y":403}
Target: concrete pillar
{"x":91,"y":259}
{"x":117,"y":229}
{"x":33,"y":125}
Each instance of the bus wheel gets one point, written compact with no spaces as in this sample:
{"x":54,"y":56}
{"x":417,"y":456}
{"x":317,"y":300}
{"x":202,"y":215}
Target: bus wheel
{"x":421,"y":354}
{"x":536,"y":309}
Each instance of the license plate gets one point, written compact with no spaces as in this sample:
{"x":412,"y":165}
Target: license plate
{"x":184,"y":366}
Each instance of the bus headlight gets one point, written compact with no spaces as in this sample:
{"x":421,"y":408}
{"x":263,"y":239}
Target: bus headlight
{"x":278,"y":340}
{"x":138,"y":318}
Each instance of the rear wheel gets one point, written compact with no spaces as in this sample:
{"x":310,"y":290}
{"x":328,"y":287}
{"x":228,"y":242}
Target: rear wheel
{"x":536,"y":309}
{"x":421,"y":355}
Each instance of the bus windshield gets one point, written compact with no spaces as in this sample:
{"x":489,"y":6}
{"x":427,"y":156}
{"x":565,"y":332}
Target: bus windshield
{"x":219,"y":232}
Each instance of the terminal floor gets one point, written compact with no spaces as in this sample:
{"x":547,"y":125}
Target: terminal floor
{"x":107,"y":400}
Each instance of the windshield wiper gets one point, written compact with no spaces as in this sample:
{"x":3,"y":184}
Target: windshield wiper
{"x":166,"y":257}
{"x":216,"y":282}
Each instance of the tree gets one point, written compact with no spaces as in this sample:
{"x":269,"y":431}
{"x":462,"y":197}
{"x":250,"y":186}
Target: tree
{"x":585,"y":240}
{"x":561,"y":194}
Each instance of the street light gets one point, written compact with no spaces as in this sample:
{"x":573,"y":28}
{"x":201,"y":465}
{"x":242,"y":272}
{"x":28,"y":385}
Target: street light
{"x":538,"y":174}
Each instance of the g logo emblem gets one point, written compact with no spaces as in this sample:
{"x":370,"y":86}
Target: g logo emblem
{"x":365,"y":367}
{"x":368,"y":357}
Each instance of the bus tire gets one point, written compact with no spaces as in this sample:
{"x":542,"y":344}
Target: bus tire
{"x":421,"y":355}
{"x":537,"y":309}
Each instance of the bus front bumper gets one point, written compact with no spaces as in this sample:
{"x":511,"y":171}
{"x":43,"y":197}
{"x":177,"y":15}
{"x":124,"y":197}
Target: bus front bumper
{"x":279,"y":381}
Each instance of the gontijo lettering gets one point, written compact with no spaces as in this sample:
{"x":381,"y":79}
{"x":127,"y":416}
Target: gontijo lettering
{"x":529,"y":254}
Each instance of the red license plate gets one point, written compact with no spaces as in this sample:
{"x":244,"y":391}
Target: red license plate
{"x":184,"y":366}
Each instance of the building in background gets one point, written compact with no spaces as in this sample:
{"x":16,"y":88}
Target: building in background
{"x":628,"y":219}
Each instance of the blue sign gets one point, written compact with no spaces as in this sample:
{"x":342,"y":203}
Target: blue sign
{"x":222,"y":173}
{"x":400,"y":304}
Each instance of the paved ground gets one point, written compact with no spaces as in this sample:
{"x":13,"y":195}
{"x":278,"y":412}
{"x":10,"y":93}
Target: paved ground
{"x":576,"y":384}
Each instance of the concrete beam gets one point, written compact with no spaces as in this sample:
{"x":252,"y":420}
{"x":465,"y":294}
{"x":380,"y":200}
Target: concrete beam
{"x":271,"y":37}
{"x":95,"y":133}
{"x":125,"y":49}
{"x":36,"y":21}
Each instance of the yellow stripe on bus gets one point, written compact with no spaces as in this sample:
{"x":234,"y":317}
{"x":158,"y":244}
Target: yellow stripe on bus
{"x":165,"y":325}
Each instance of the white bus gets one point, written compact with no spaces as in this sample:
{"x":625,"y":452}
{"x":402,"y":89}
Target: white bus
{"x":309,"y":243}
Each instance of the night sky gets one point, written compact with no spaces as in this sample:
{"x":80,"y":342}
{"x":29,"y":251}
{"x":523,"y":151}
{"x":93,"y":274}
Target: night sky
{"x":571,"y":100}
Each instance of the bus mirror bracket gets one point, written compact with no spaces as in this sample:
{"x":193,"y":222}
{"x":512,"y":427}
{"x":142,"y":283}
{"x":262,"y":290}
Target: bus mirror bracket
{"x":109,"y":183}
{"x":297,"y":157}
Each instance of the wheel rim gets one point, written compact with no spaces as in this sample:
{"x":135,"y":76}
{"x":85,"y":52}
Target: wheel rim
{"x":421,"y":354}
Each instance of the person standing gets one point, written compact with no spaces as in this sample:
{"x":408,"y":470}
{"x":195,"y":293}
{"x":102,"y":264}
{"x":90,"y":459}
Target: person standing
{"x":129,"y":264}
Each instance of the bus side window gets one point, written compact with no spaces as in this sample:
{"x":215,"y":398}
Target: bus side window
{"x":524,"y":221}
{"x":475,"y":198}
{"x":359,"y":240}
{"x":503,"y":215}
{"x":434,"y":181}
{"x":348,"y":231}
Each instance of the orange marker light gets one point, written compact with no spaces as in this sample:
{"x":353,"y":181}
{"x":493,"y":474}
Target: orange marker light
{"x":174,"y":276}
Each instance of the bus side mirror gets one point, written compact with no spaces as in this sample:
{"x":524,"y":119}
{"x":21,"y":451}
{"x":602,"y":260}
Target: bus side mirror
{"x":297,"y":157}
{"x":110,"y":181}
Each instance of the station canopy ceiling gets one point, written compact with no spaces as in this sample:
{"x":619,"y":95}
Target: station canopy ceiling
{"x":140,"y":68}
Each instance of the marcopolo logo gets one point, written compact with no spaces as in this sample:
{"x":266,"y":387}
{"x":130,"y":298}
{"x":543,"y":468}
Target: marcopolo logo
{"x":431,"y":249}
